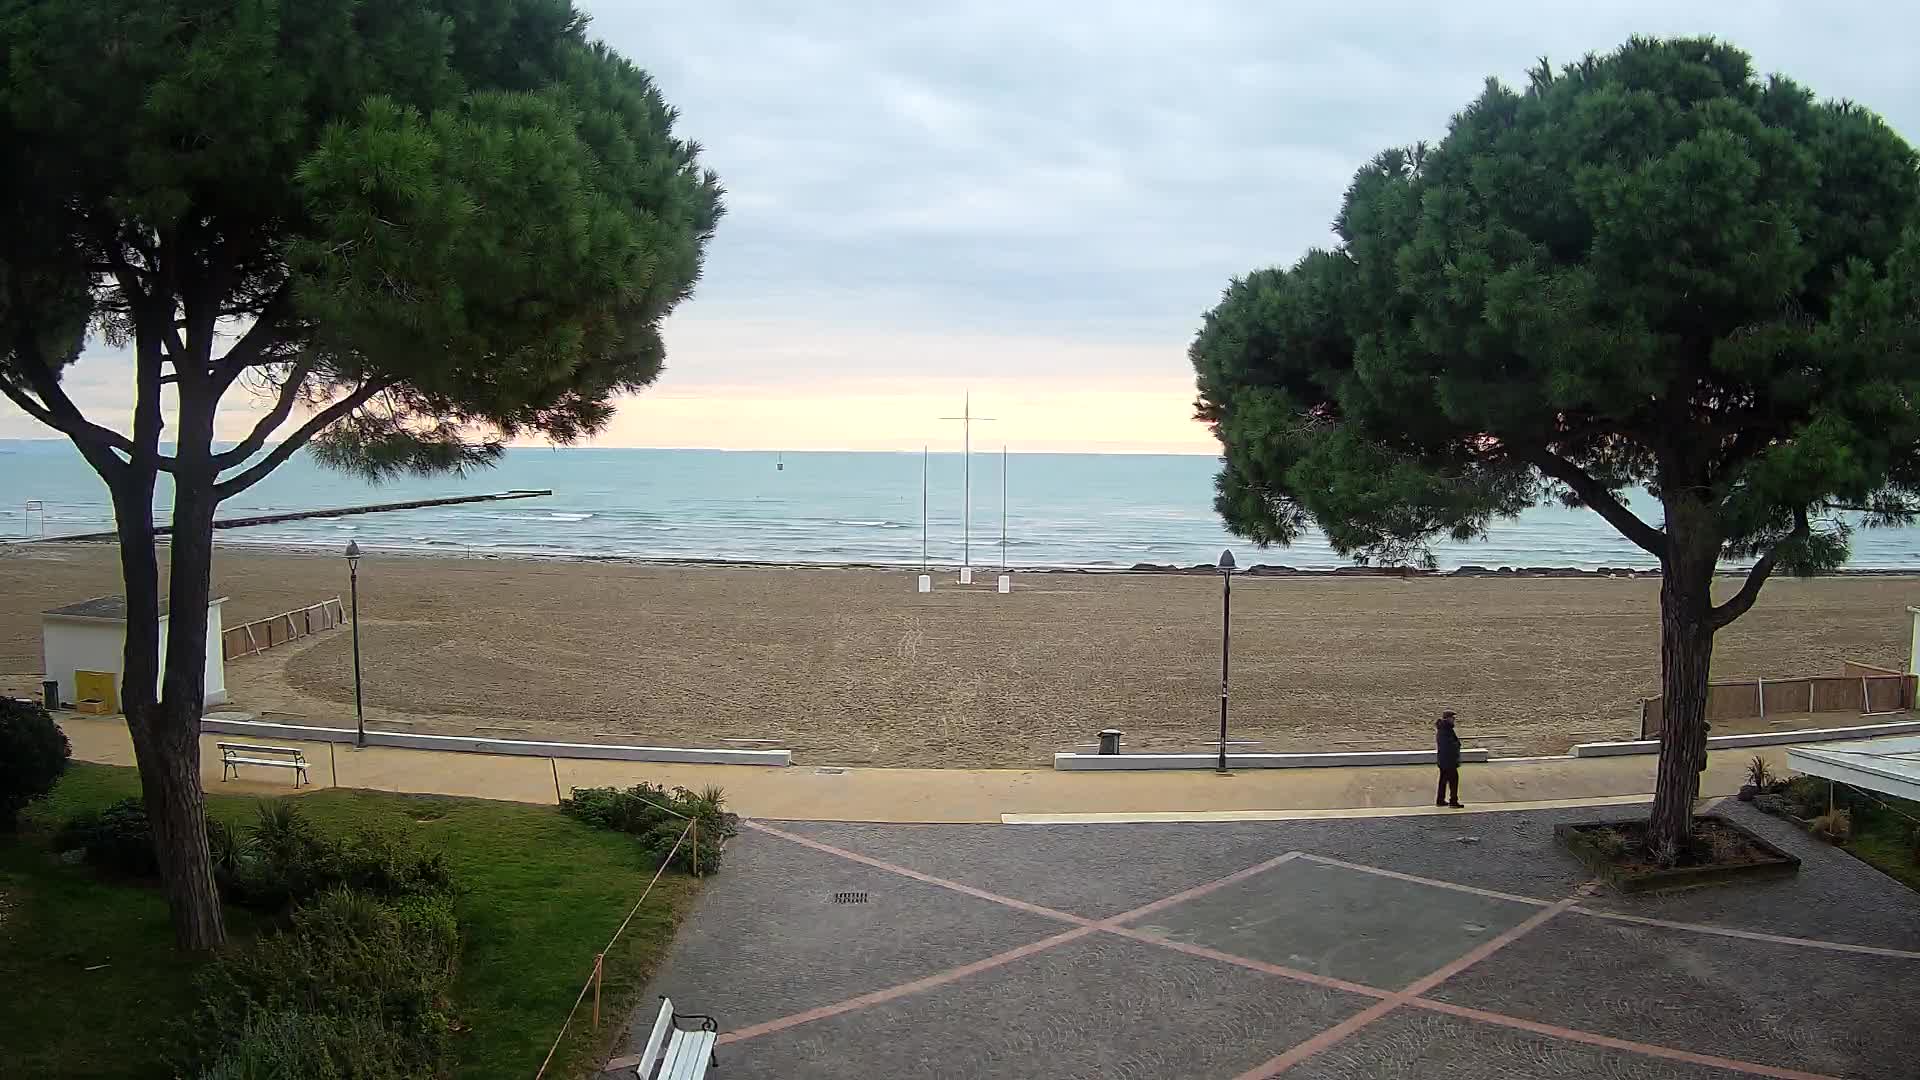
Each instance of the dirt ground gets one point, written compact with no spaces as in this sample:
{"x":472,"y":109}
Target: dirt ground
{"x":854,"y":667}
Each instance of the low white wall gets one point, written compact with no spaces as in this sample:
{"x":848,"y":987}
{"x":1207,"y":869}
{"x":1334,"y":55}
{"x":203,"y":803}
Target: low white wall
{"x":684,"y":755}
{"x":1763,"y":738}
{"x":1106,"y":762}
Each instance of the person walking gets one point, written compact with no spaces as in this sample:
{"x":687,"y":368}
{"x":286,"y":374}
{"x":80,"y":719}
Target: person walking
{"x":1447,"y":743}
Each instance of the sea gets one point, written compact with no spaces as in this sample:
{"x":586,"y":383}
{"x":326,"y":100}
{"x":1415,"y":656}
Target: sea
{"x":1093,"y":511}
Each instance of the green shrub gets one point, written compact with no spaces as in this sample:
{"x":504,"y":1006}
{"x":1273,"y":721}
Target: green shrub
{"x":658,"y":816}
{"x":1759,"y":773}
{"x":33,"y":756}
{"x":353,"y":959}
{"x":283,"y":860}
{"x":1809,"y":795}
{"x":117,"y":838}
{"x":276,"y":1046}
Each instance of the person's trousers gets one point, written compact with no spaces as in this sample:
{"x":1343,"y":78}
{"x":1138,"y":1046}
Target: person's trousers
{"x":1449,"y":785}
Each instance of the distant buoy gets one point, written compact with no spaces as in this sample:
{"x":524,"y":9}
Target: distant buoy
{"x":778,"y":465}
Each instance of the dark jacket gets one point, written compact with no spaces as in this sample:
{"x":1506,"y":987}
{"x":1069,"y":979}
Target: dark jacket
{"x":1448,"y":744}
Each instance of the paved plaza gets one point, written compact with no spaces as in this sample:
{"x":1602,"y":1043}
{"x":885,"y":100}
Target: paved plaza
{"x":1463,"y":947}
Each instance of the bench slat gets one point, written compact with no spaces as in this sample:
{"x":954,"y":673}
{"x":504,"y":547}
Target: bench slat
{"x":260,"y":748}
{"x":650,"y":1053}
{"x":687,"y":1055}
{"x":275,"y":762}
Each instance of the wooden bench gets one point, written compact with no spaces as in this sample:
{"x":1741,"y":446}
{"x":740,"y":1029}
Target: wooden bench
{"x":233,"y":755}
{"x":679,"y":1053}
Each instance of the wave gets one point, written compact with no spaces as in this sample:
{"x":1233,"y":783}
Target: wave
{"x":558,"y":516}
{"x":871,"y":524}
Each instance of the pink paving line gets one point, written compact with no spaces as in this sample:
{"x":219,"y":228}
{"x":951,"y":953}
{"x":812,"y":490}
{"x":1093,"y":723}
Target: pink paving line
{"x":1418,"y":880}
{"x":894,"y":868}
{"x":1200,"y":890}
{"x":890,"y":993}
{"x":1751,"y":935}
{"x":1339,"y":1032}
{"x":1698,"y":928}
{"x":1251,"y":964}
{"x":1083,"y":928}
{"x":1590,"y":1038}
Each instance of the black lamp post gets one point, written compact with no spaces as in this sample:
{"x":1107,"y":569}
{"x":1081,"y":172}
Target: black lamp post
{"x":1226,"y":645}
{"x":353,"y":579}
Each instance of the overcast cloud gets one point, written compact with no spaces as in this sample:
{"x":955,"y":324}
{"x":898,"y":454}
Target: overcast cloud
{"x":1039,"y":200}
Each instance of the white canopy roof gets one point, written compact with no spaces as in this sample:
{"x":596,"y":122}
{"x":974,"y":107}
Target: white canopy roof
{"x":1890,"y":766}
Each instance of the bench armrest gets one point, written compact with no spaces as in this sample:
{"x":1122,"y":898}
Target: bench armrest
{"x":707,"y":1023}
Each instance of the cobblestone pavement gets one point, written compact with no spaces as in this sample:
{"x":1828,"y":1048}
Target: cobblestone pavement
{"x":1464,"y":947}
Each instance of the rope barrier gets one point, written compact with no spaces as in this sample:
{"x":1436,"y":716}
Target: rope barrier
{"x":588,"y":985}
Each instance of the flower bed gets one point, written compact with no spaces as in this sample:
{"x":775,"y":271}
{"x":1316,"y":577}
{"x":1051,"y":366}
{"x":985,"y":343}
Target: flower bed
{"x":1719,"y":851}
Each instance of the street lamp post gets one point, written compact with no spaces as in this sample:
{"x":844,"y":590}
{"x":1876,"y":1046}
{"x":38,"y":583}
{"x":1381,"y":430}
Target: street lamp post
{"x":1226,"y":645}
{"x":353,"y":585}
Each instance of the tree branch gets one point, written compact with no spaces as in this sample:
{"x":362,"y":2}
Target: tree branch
{"x":1738,"y":604}
{"x":1600,"y":500}
{"x":58,"y":411}
{"x":240,"y":482}
{"x":262,"y":431}
{"x":247,"y":351}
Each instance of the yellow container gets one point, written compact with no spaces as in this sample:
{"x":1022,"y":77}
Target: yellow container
{"x":96,"y":686}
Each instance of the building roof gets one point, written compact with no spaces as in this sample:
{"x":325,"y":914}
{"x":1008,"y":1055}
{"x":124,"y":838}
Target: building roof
{"x":1890,"y":766}
{"x":111,"y":608}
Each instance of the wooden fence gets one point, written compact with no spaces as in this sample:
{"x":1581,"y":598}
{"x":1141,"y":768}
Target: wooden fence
{"x":263,"y":634}
{"x":1861,"y":688}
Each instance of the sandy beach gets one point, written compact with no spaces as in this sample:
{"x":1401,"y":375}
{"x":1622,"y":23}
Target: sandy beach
{"x":853,"y":667}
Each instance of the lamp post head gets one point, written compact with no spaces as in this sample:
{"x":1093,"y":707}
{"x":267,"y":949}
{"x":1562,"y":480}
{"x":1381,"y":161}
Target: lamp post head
{"x":1226,"y":561}
{"x":353,"y":555}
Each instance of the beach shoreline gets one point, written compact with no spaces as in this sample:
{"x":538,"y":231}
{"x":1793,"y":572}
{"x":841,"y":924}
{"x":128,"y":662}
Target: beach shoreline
{"x":1258,"y":569}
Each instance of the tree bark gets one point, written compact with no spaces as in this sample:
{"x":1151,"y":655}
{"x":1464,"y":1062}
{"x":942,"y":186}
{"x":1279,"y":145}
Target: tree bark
{"x":176,"y":805}
{"x":1686,"y":661}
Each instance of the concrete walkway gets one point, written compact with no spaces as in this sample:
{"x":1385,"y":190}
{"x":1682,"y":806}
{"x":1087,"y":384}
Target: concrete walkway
{"x":808,"y":793}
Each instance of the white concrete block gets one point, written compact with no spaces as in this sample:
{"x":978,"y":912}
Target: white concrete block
{"x":926,"y":582}
{"x":1129,"y":762}
{"x":966,"y":575}
{"x":1006,"y":583}
{"x":1760,"y":738}
{"x":522,"y":747}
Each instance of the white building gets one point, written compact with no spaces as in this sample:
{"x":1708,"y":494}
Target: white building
{"x":91,"y":637}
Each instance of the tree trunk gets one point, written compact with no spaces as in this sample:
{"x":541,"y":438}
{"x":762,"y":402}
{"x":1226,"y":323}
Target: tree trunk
{"x":1686,"y":660}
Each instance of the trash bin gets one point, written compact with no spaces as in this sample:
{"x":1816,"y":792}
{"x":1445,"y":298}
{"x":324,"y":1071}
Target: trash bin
{"x":1110,"y":741}
{"x":50,"y":693}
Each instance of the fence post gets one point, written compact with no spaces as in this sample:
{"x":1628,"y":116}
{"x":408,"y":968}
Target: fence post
{"x":599,"y":961}
{"x":1809,"y":697}
{"x":1760,"y":697}
{"x":1866,"y":699}
{"x":693,"y":832}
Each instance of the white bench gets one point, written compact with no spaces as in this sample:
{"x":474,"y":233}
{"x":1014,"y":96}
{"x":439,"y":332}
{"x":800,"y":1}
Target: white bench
{"x":679,"y":1053}
{"x":233,"y":755}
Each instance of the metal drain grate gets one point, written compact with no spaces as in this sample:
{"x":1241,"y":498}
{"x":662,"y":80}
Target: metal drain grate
{"x":849,"y":898}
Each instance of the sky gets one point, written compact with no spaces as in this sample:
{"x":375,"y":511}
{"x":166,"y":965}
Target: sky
{"x":1036,"y":202}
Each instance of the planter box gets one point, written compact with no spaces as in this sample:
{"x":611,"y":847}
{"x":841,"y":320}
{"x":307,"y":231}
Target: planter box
{"x":1575,"y":839}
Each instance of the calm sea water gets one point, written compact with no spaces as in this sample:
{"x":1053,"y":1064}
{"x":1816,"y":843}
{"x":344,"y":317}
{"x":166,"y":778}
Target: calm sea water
{"x":1086,"y":510}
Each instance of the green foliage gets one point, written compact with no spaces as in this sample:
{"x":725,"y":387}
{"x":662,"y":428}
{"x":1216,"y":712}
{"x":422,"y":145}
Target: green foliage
{"x":33,"y":756}
{"x":1811,"y":796}
{"x":374,"y":973}
{"x":274,"y":1046}
{"x":470,"y":205}
{"x":1759,"y":773}
{"x":117,"y":838}
{"x":659,"y":816}
{"x":1649,"y":268}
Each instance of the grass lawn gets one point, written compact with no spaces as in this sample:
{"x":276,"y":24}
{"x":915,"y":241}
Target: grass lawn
{"x":541,"y":894}
{"x":1884,"y":838}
